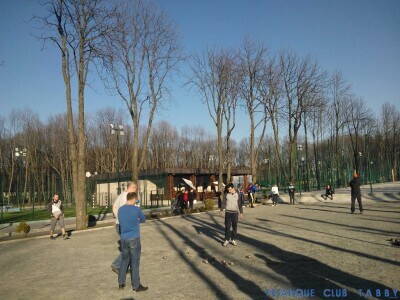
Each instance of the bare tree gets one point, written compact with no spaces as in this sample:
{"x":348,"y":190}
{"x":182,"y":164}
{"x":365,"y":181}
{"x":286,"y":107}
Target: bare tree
{"x":271,"y":90}
{"x":357,"y":117}
{"x":390,"y":117}
{"x":211,"y":77}
{"x":140,"y":57}
{"x":76,"y":27}
{"x":302,"y":80}
{"x":252,"y":60}
{"x":229,"y":111}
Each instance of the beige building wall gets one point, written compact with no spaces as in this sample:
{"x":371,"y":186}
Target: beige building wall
{"x":106,"y":193}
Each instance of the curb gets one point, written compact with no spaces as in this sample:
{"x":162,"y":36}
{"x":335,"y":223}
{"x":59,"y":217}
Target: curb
{"x":19,"y":238}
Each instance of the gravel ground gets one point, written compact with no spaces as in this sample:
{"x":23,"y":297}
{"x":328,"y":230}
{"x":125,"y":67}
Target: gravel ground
{"x":319,"y":250}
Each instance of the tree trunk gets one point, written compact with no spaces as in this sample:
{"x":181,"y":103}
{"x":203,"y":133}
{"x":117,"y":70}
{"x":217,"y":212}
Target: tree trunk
{"x":81,"y":218}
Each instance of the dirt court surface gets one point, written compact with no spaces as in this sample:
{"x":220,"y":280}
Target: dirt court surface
{"x":318,"y":250}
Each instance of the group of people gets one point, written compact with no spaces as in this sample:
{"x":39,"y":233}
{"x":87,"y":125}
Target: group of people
{"x":185,"y":199}
{"x":129,"y":216}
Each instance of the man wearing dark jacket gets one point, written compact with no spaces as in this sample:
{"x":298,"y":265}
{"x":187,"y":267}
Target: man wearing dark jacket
{"x":233,"y":205}
{"x":355,"y":184}
{"x":291,"y":190}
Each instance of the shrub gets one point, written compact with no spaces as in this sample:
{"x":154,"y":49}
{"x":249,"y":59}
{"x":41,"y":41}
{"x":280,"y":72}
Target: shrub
{"x":155,"y":215}
{"x":209,"y":204}
{"x":23,"y":227}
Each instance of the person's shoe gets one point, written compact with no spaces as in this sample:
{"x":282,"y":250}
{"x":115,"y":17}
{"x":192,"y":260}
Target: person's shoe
{"x":141,"y":288}
{"x":115,"y":270}
{"x":121,"y":286}
{"x":52,"y":237}
{"x":225,"y":244}
{"x":352,"y":212}
{"x":233,"y":242}
{"x":65,"y":237}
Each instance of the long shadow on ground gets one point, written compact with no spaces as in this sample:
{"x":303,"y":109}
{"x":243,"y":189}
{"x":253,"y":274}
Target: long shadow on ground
{"x":350,"y":227}
{"x":218,"y":291}
{"x":302,"y":271}
{"x":342,"y":212}
{"x":322,"y":232}
{"x":246,"y":286}
{"x":329,"y":205}
{"x":255,"y":227}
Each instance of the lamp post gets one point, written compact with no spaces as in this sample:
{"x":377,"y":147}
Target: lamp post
{"x":371,"y":163}
{"x":266,"y":162}
{"x":20,"y":155}
{"x":117,"y":130}
{"x":302,"y":173}
{"x":88,"y":175}
{"x":299,"y":149}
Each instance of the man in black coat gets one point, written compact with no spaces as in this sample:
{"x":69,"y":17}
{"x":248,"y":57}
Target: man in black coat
{"x":291,"y":190}
{"x":355,"y":184}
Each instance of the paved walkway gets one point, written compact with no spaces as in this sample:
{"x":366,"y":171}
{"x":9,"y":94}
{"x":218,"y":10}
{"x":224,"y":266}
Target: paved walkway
{"x":314,"y":246}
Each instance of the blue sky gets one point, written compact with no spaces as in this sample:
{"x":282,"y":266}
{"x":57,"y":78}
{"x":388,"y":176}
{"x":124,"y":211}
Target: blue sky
{"x":359,"y":38}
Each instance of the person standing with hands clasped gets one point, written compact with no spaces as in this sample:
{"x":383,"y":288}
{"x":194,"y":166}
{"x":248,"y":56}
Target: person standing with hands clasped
{"x":233,"y":205}
{"x":130,"y":216}
{"x":56,"y":209}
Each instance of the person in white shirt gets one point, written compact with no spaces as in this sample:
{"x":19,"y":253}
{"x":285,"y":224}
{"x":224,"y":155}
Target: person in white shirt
{"x":275,"y":195}
{"x":56,"y":209}
{"x":120,"y":201}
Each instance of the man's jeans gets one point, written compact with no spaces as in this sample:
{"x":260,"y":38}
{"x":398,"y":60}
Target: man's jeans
{"x":117,"y":262}
{"x":130,"y":256}
{"x":231,"y":219}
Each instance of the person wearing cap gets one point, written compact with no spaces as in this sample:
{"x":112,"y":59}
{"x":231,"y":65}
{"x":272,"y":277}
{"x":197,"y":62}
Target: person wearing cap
{"x":233,"y":206}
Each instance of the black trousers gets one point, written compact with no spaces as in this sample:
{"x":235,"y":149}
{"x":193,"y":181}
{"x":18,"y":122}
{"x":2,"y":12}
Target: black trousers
{"x":274,"y":198}
{"x":291,"y":195}
{"x":231,"y":220}
{"x":353,"y":202}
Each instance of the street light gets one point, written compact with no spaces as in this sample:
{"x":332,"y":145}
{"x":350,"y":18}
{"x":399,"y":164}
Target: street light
{"x":371,"y":163}
{"x":302,"y":173}
{"x":117,"y":130}
{"x":266,"y":161}
{"x":299,"y":149}
{"x":20,"y":155}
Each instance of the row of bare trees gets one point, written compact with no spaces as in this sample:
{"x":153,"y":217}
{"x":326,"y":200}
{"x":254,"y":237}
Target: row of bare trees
{"x":328,"y":153}
{"x":133,"y":46}
{"x":296,"y":100}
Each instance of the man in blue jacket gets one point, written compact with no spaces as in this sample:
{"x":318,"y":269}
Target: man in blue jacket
{"x":130,"y":217}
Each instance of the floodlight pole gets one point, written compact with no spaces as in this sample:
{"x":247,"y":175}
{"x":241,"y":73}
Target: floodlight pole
{"x":118,"y":130}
